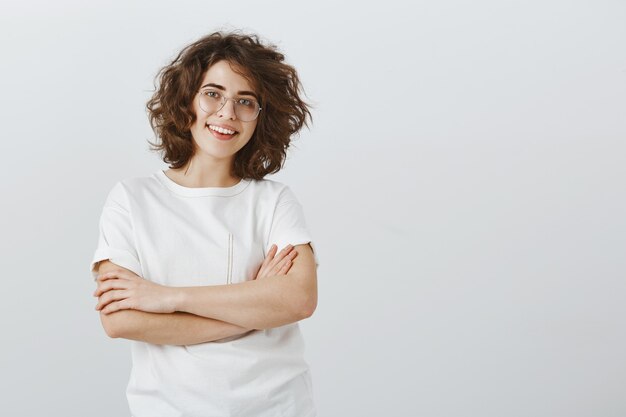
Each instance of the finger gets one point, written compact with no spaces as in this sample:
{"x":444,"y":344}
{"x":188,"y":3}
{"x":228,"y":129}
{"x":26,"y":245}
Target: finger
{"x":104,"y":277}
{"x":103,"y":301}
{"x":285,"y":263}
{"x":280,"y":256}
{"x":267,"y":261}
{"x":108,"y":297}
{"x":110,"y":275}
{"x":116,"y":306}
{"x":256,"y":274}
{"x":286,"y":250}
{"x":270,"y":255}
{"x":278,"y":269}
{"x":272,"y":265}
{"x":283,"y":252}
{"x":285,"y":268}
{"x":119,"y":273}
{"x":111,"y":284}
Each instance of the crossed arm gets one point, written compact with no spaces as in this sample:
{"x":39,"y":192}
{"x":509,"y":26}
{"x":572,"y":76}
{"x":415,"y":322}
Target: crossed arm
{"x":204,"y":314}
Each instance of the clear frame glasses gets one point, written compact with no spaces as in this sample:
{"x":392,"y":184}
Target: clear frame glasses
{"x":246,"y":109}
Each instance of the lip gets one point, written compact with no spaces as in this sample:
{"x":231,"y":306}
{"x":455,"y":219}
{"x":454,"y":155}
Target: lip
{"x":223,"y":126}
{"x":219,"y":136}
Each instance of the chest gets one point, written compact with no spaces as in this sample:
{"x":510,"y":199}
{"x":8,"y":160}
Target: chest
{"x":203,"y":244}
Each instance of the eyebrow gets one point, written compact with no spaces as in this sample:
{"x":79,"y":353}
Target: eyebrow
{"x":240,"y":93}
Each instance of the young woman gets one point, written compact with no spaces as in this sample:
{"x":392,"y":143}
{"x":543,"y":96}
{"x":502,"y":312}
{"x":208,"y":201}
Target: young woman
{"x":187,"y":264}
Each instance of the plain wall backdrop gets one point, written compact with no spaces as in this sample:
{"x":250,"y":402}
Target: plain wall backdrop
{"x":463,"y":179}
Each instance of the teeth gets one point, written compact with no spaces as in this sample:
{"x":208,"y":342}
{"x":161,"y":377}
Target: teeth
{"x":221,"y":130}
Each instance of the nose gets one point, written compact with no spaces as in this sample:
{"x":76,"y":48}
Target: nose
{"x":228,"y":110}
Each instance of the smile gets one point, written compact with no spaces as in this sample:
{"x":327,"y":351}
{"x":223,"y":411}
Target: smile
{"x":221,"y":133}
{"x":222,"y":130}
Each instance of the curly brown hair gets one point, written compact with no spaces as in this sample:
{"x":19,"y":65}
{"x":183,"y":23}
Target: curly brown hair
{"x":171,"y":115}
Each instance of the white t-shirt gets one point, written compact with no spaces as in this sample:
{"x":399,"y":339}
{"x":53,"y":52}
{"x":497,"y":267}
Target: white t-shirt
{"x":181,"y":236}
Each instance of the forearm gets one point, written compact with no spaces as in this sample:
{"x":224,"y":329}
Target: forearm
{"x":177,"y":328}
{"x":258,"y":304}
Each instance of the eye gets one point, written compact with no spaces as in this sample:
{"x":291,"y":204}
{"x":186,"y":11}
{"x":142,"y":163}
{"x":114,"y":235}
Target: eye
{"x":211,"y":93}
{"x":245,"y":102}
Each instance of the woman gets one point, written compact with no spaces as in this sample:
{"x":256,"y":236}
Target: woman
{"x":187,"y":264}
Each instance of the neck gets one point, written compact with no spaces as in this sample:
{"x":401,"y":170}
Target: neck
{"x":200,"y":173}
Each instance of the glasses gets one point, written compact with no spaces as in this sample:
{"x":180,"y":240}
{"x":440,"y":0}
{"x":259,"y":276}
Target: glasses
{"x":212,"y":101}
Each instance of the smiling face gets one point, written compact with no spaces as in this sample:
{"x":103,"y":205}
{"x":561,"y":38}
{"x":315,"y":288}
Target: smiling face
{"x":221,"y":78}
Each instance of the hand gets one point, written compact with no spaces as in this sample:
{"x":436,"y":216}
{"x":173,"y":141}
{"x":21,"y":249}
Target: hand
{"x":124,"y":290}
{"x":279,"y":265}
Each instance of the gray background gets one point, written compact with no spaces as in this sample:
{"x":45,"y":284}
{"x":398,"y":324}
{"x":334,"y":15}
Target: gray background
{"x":463,"y":181}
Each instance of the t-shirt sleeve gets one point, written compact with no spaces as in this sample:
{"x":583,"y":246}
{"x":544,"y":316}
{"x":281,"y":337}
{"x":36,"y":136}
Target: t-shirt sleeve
{"x":289,"y":225}
{"x":116,"y":240}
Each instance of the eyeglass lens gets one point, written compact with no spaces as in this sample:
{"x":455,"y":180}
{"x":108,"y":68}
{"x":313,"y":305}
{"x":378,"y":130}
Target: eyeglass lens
{"x":245,"y":109}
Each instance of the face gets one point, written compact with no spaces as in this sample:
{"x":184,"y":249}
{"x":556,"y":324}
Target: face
{"x":221,"y":78}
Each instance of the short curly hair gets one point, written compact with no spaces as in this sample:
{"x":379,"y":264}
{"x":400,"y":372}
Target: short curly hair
{"x":171,"y":115}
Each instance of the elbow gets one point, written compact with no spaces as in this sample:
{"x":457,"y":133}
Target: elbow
{"x":109,"y":329}
{"x":306,"y":307}
{"x":112,"y":324}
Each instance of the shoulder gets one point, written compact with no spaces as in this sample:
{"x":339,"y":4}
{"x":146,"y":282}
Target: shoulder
{"x":134,"y":183}
{"x":126,"y":189}
{"x":274,"y":190}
